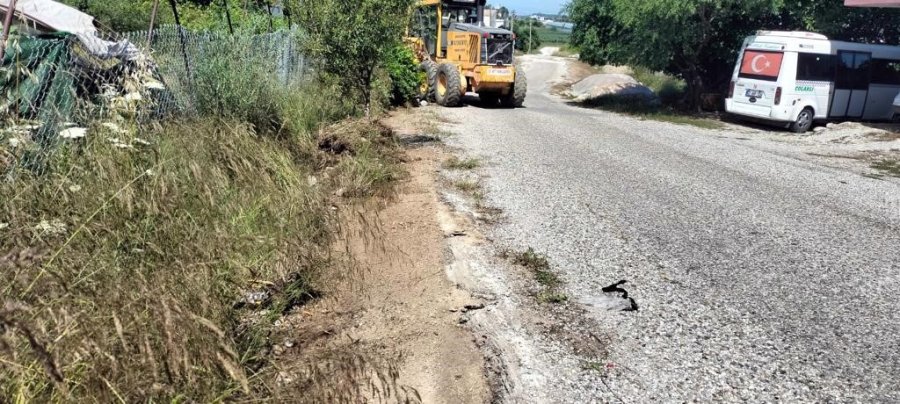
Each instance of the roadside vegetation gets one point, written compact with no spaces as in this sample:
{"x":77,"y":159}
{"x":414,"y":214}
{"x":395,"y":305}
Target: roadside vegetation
{"x":697,"y":41}
{"x":888,"y":167}
{"x":549,"y":284}
{"x":147,"y":261}
{"x":455,"y":163}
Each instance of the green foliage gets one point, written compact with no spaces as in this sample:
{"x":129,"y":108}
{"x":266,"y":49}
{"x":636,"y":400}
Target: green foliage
{"x":553,"y":35}
{"x":200,"y":15}
{"x":527,"y":39}
{"x":668,"y":88}
{"x":353,"y":38}
{"x":698,"y":40}
{"x":406,"y":77}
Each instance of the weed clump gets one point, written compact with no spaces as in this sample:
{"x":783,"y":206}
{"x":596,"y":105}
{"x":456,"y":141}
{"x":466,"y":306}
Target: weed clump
{"x":889,"y":167}
{"x":549,"y":281}
{"x":455,"y":163}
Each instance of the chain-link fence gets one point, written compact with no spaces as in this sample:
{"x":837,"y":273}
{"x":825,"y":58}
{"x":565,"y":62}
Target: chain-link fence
{"x":58,"y":87}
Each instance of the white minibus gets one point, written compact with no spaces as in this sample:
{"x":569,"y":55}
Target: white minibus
{"x":796,"y":78}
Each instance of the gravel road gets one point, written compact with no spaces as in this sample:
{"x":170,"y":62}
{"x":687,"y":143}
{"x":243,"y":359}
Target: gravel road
{"x":761,"y":273}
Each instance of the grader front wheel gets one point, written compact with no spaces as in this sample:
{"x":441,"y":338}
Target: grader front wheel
{"x":427,"y":90}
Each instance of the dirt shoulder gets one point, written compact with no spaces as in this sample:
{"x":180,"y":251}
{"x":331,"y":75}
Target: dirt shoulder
{"x":397,"y":320}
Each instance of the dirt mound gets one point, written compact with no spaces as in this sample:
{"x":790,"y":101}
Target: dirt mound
{"x":610,"y":84}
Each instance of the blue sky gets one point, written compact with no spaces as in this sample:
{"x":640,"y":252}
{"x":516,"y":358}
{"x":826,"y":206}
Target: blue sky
{"x":531,"y":6}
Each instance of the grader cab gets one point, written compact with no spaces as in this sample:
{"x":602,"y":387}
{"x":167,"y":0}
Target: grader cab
{"x":459,"y":54}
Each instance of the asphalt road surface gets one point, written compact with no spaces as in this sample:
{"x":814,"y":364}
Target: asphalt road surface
{"x":761,"y":275}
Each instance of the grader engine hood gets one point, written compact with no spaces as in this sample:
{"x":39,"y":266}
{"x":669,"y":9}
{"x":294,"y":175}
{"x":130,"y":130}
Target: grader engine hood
{"x":497,"y":45}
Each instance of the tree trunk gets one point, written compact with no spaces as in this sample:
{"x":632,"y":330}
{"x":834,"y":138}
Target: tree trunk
{"x":695,"y":87}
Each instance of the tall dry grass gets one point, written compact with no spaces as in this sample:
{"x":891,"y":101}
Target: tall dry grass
{"x":126,"y":265}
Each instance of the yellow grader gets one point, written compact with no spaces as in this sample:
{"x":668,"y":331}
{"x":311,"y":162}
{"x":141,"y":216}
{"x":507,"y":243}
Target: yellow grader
{"x":459,"y":54}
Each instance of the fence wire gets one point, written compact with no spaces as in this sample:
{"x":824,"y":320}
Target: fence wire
{"x":56,"y":88}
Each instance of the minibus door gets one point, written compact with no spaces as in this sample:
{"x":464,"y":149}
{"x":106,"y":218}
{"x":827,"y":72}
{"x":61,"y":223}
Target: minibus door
{"x":851,"y":85}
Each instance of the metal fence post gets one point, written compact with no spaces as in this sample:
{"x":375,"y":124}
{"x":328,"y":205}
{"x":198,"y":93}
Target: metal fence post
{"x":152,"y":23}
{"x":187,"y":65}
{"x":6,"y":23}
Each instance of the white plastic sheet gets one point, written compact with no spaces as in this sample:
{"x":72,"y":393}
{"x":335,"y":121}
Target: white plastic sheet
{"x":53,"y":15}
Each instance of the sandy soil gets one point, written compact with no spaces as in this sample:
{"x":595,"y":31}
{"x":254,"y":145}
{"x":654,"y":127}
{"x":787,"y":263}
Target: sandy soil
{"x":400,"y":311}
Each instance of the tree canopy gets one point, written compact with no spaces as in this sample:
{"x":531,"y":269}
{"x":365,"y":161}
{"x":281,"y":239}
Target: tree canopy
{"x":698,"y":40}
{"x":208,"y":15}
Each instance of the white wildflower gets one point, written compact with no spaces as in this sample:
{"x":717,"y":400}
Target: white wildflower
{"x":75,"y":188}
{"x":149,"y":172}
{"x":13,"y":142}
{"x":73,"y":133}
{"x":53,"y":227}
{"x":135,"y":96}
{"x":154,"y":85}
{"x":113,"y":127}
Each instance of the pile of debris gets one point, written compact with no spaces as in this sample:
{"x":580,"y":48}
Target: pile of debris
{"x":56,"y":64}
{"x":611,"y":85}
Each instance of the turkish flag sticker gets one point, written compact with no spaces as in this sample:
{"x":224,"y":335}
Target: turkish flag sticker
{"x":767,"y":64}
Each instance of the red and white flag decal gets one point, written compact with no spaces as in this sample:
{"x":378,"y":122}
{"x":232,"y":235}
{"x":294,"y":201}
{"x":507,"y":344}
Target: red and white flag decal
{"x":762,"y":63}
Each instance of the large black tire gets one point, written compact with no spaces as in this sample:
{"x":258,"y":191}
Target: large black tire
{"x":448,"y":86}
{"x":804,"y":121}
{"x":516,"y":97}
{"x":431,"y":70}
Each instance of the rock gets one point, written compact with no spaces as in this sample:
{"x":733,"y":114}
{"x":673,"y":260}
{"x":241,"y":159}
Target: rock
{"x":340,"y":192}
{"x":470,"y":307}
{"x":618,"y":84}
{"x":254,"y":300}
{"x":288,"y":344}
{"x":818,"y":129}
{"x":423,"y":103}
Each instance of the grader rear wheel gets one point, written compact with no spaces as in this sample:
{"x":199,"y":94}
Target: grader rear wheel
{"x":448,"y":89}
{"x":516,"y":97}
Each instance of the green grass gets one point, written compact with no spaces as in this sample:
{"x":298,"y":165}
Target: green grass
{"x":550,"y":35}
{"x":467,"y":186}
{"x":455,"y":163}
{"x":640,"y":108}
{"x":669,"y":89}
{"x":542,"y":273}
{"x":565,"y":50}
{"x":889,"y":167}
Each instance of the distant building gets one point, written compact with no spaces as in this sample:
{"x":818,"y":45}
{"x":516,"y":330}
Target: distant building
{"x":493,"y":18}
{"x":561,"y":26}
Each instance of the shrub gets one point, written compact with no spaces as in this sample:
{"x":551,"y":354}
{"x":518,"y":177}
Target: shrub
{"x":406,"y":77}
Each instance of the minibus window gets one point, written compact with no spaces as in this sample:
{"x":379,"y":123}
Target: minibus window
{"x":813,"y":67}
{"x":761,"y":65}
{"x":886,"y":71}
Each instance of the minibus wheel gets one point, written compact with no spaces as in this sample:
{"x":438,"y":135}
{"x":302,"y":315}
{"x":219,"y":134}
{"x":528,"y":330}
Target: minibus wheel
{"x":804,"y":121}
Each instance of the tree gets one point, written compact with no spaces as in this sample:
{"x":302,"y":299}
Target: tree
{"x":698,"y":40}
{"x":205,"y":15}
{"x":694,"y":39}
{"x":352,"y":38}
{"x":527,"y":38}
